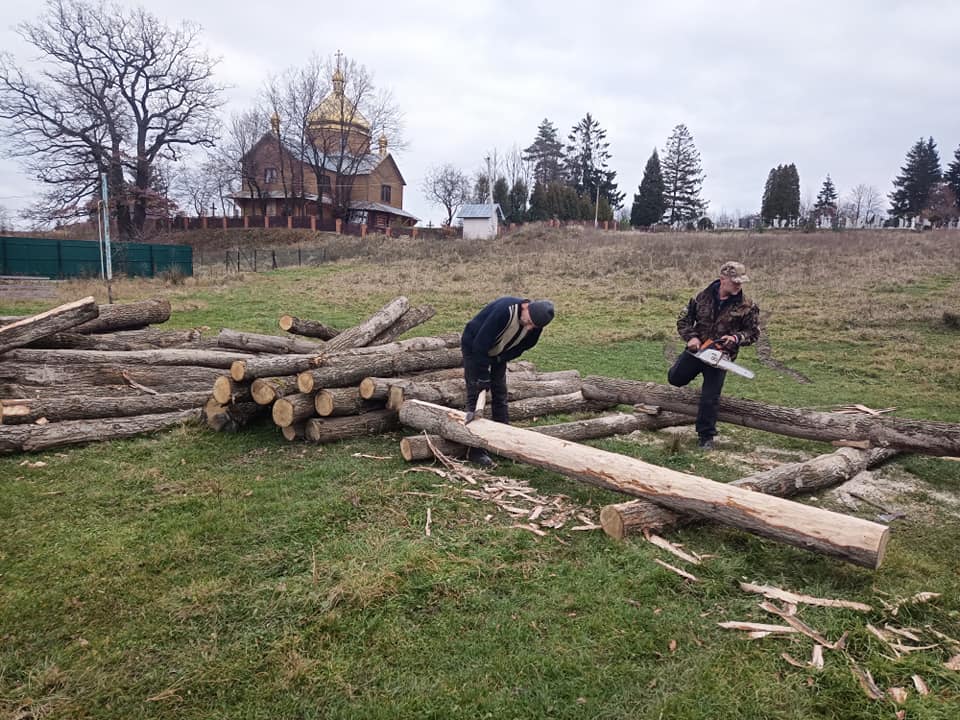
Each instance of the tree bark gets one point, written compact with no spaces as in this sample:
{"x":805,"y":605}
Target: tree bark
{"x":266,"y":391}
{"x":919,"y":436}
{"x":324,"y":430}
{"x":410,"y":319}
{"x":297,"y":431}
{"x":271,"y":366}
{"x":30,"y":380}
{"x":415,"y":447}
{"x":343,"y":401}
{"x":146,"y":339}
{"x":232,"y":417}
{"x":64,"y":317}
{"x":823,"y":471}
{"x":307,"y":328}
{"x":366,"y":331}
{"x":226,"y":390}
{"x":453,"y":393}
{"x":338,"y":372}
{"x":293,"y":409}
{"x":128,"y":316}
{"x":157,"y":358}
{"x":29,"y":438}
{"x":852,"y":539}
{"x":532,"y":407}
{"x":257,"y":343}
{"x":81,"y":407}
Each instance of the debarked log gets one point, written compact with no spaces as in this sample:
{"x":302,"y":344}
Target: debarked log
{"x":858,"y":541}
{"x":81,"y":407}
{"x":324,"y":430}
{"x":416,"y":447}
{"x":29,"y":438}
{"x":637,"y":516}
{"x":919,"y":436}
{"x":64,"y":317}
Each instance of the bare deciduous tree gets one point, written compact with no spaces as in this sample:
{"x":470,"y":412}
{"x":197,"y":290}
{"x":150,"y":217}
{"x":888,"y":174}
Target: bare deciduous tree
{"x":862,"y":204}
{"x":115,"y":90}
{"x":448,"y":186}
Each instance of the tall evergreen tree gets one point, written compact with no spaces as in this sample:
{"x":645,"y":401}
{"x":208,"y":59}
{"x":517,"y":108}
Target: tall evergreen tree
{"x":501,"y":195}
{"x":585,"y":162}
{"x":781,"y":194}
{"x":481,"y":189}
{"x":518,"y":201}
{"x":546,"y":154}
{"x":767,"y":212}
{"x":538,"y":203}
{"x":826,"y":203}
{"x":952,"y":176}
{"x":682,"y":178}
{"x":649,"y":204}
{"x":790,"y":208}
{"x":919,"y":175}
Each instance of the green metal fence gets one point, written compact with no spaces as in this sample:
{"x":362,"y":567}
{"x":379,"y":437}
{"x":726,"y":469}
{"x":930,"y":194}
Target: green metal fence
{"x":42,"y":257}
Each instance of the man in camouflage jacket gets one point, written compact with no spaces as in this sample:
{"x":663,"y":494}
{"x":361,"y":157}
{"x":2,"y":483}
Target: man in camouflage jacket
{"x":723,"y":314}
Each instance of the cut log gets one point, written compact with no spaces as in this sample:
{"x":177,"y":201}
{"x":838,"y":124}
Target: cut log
{"x":343,"y":401}
{"x":165,"y":356}
{"x":30,"y":438}
{"x":271,"y":366}
{"x":852,"y":539}
{"x":82,"y":407}
{"x":297,"y":431}
{"x":232,"y":417}
{"x":527,"y":408}
{"x":919,"y":436}
{"x":293,"y":409}
{"x":453,"y":393}
{"x":127,"y":316}
{"x":410,"y":319}
{"x":366,"y":331}
{"x":145,"y":339}
{"x":256,"y":343}
{"x":416,"y":447}
{"x":226,"y":391}
{"x":639,"y":516}
{"x":338,"y":372}
{"x":307,"y":328}
{"x":266,"y":391}
{"x":438,"y":342}
{"x":64,"y":317}
{"x":324,"y":430}
{"x":30,"y":380}
{"x":378,"y":388}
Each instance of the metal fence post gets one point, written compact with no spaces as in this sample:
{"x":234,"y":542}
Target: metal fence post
{"x":254,"y":259}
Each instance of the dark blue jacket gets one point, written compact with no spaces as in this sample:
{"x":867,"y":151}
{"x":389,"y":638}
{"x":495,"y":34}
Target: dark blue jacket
{"x":481,"y":333}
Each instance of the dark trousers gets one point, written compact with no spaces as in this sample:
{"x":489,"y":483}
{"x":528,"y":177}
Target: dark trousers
{"x":498,"y":387}
{"x":685,"y":369}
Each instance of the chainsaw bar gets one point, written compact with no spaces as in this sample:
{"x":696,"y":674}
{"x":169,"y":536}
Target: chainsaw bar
{"x":716,"y":358}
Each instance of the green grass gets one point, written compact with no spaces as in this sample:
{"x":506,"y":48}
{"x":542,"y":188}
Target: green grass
{"x":199,"y":575}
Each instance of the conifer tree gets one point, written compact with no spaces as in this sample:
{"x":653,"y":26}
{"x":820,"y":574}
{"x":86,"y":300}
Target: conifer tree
{"x":781,"y":195}
{"x":501,"y":195}
{"x":538,"y":203}
{"x":546,"y":154}
{"x":585,"y":162}
{"x":518,"y":201}
{"x":919,"y":175}
{"x":649,"y":204}
{"x":682,"y":178}
{"x":952,"y":176}
{"x":826,"y":203}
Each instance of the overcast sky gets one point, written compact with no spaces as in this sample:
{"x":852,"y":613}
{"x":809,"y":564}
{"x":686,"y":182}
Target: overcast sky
{"x":841,"y":87}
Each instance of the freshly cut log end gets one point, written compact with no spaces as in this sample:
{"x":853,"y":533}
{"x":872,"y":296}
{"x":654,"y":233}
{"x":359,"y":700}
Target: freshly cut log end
{"x":229,"y":418}
{"x":612,"y":522}
{"x":293,"y":409}
{"x":324,"y":430}
{"x":294,"y":432}
{"x":238,"y":370}
{"x":265,"y":391}
{"x":307,"y":328}
{"x":368,"y":388}
{"x":226,"y":390}
{"x":64,"y":317}
{"x":417,"y":447}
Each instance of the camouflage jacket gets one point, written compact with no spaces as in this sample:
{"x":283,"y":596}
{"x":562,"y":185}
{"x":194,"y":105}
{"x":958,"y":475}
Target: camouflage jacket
{"x":707,"y":318}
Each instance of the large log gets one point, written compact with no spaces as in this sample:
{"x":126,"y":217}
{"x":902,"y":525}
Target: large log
{"x":324,"y":430}
{"x":532,"y":407}
{"x":852,"y":539}
{"x":823,"y":471}
{"x":919,"y":436}
{"x":416,"y":447}
{"x":30,"y":380}
{"x":232,"y":417}
{"x":410,"y":319}
{"x":294,"y":432}
{"x":378,"y":388}
{"x":453,"y":393}
{"x":82,"y":407}
{"x":29,"y":438}
{"x":164,"y":356}
{"x":266,"y":391}
{"x":366,"y":331}
{"x":64,"y":317}
{"x":272,"y":366}
{"x":257,"y":343}
{"x":307,"y":328}
{"x":332,"y":402}
{"x":350,"y":371}
{"x":226,"y":391}
{"x":128,"y":316}
{"x":293,"y":409}
{"x":145,"y":339}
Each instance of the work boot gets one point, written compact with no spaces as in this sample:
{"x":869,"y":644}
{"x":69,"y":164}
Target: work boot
{"x":479,"y":457}
{"x":706,"y":443}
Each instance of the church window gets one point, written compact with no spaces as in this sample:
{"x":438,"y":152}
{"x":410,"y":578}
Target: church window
{"x":385,"y":193}
{"x":269,"y":174}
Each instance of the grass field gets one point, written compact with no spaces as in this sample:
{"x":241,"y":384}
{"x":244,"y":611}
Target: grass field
{"x":199,"y":575}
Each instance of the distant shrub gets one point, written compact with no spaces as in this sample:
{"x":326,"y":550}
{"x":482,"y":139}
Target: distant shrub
{"x":951,"y":320}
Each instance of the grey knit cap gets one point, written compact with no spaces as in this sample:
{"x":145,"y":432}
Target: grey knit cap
{"x":541,"y":312}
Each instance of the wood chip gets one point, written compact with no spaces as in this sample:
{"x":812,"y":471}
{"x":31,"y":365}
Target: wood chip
{"x":866,"y":681}
{"x":920,"y":685}
{"x":678,"y":571}
{"x":816,"y":659}
{"x":371,"y":457}
{"x":756,"y":627}
{"x":902,"y":632}
{"x":774,"y":593}
{"x":531,"y":528}
{"x":793,"y":661}
{"x":953,"y":663}
{"x":796,"y":622}
{"x":670,"y":547}
{"x":898,"y":694}
{"x":426,"y":529}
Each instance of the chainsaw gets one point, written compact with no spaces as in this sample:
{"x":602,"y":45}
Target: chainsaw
{"x":712,"y":354}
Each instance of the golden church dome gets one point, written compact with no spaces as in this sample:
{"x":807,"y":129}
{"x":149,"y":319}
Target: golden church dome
{"x":337,"y":110}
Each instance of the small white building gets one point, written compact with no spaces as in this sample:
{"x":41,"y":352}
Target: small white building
{"x":481,"y":222}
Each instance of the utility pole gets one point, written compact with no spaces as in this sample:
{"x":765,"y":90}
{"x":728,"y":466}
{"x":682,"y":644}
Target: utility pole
{"x":596,"y":208}
{"x":108,"y":258}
